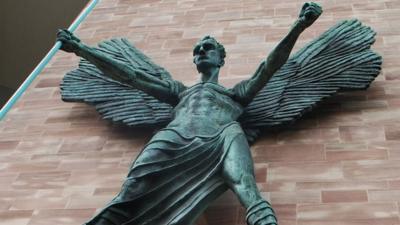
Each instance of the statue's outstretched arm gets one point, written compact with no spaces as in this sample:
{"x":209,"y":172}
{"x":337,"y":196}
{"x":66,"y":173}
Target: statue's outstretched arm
{"x":277,"y":58}
{"x":115,"y":69}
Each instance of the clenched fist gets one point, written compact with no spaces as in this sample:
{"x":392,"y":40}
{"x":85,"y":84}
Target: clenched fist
{"x":309,"y":13}
{"x":70,"y":43}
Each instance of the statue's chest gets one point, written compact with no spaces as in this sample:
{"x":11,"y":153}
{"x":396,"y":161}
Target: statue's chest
{"x":207,"y":95}
{"x":209,"y":98}
{"x":208,"y":92}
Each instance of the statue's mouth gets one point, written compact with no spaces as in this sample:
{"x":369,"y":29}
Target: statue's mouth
{"x":202,"y":57}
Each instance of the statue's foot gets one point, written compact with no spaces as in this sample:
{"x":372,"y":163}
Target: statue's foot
{"x":261,"y":213}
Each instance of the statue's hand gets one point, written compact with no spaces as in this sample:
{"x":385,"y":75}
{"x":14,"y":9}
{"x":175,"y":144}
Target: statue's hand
{"x":309,"y":13}
{"x":70,"y":43}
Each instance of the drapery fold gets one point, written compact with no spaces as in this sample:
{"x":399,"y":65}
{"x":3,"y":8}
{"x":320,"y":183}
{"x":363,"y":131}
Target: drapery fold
{"x":172,"y":180}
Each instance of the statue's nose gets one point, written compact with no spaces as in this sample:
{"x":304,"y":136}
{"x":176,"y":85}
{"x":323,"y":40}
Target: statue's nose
{"x":202,"y":51}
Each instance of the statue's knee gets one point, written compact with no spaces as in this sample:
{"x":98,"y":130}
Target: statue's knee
{"x":238,"y":170}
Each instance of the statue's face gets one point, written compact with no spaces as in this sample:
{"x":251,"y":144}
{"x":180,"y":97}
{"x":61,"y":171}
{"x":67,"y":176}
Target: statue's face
{"x":206,"y":55}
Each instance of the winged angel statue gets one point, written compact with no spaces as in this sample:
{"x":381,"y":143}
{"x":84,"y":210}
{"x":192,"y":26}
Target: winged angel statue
{"x":203,"y":149}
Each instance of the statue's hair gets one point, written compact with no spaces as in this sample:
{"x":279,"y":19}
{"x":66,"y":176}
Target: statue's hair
{"x":220,"y":47}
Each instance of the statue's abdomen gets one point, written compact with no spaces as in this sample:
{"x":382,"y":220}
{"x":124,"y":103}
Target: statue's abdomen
{"x":203,"y":110}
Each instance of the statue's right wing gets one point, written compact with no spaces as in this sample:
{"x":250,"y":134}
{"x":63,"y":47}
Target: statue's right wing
{"x":339,"y":60}
{"x":114,"y":100}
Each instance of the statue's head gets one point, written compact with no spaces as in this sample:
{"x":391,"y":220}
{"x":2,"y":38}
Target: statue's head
{"x":207,"y":53}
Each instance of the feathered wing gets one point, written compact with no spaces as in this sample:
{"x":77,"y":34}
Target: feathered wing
{"x":114,"y":100}
{"x":340,"y":59}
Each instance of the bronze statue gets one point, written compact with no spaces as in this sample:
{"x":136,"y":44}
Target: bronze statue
{"x":203,"y":150}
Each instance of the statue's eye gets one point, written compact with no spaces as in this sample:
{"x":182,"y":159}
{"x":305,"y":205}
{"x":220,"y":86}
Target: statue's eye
{"x":196,"y":50}
{"x":208,"y":46}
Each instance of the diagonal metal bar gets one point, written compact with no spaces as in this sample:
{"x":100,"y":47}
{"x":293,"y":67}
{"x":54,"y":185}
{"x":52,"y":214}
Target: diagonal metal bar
{"x":38,"y":69}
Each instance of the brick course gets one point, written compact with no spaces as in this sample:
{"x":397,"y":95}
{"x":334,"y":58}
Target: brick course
{"x":59,"y":162}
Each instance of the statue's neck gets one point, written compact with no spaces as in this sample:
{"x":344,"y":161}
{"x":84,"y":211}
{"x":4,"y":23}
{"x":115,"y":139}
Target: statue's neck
{"x":210,"y":76}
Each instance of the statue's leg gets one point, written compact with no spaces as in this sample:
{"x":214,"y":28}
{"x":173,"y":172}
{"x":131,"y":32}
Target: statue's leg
{"x":238,"y":172}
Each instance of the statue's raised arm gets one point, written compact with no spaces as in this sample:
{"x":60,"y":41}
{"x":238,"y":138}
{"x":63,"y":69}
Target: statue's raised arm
{"x":247,"y":90}
{"x":164,"y":90}
{"x":122,"y":83}
{"x":283,"y":89}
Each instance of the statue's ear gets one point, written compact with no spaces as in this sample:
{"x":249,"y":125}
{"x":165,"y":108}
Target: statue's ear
{"x":222,"y":63}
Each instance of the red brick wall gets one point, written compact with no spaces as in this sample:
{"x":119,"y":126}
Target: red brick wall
{"x":59,"y":162}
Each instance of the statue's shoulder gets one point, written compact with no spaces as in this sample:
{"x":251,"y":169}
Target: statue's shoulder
{"x":192,"y":89}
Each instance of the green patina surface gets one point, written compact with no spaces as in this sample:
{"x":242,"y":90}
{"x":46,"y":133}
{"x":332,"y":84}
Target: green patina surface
{"x":203,"y":149}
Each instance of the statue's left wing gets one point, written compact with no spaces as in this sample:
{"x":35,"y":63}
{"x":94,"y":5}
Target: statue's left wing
{"x":340,"y":59}
{"x":114,"y":100}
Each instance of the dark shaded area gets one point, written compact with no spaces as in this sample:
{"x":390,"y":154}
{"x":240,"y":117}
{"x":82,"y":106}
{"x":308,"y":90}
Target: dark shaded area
{"x":27,"y":32}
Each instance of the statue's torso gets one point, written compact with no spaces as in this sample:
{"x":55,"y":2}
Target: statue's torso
{"x":204,"y":108}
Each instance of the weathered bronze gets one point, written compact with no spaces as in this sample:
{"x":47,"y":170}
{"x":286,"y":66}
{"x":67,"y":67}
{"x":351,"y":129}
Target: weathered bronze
{"x":203,"y":150}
